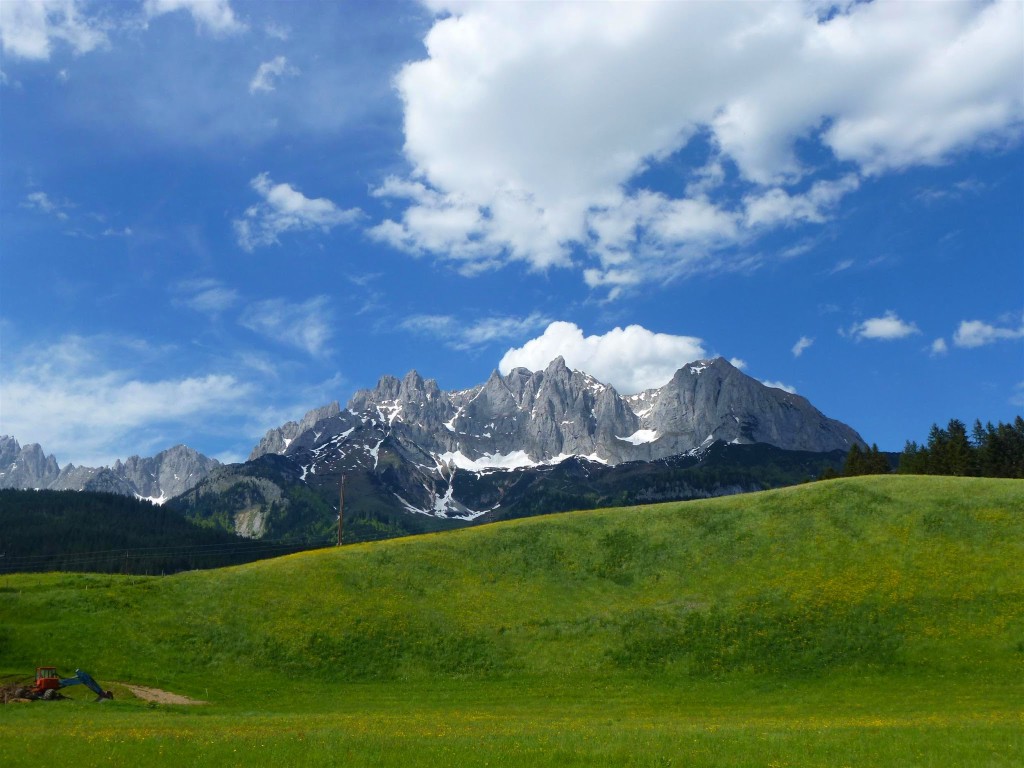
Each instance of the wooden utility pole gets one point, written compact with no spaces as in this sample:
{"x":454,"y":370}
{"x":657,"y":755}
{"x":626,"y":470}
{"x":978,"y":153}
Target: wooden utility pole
{"x":341,"y":509}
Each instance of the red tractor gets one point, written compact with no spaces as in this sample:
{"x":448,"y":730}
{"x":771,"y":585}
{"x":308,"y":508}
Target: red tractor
{"x":48,"y":683}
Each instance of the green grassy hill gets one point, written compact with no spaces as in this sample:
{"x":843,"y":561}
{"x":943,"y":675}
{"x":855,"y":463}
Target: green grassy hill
{"x":878,"y":617}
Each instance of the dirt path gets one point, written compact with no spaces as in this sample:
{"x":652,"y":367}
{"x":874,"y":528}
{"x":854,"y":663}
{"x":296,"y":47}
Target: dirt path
{"x":160,"y":697}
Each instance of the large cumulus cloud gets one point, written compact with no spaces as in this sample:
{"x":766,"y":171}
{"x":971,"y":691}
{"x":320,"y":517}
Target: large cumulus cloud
{"x":529,"y":127}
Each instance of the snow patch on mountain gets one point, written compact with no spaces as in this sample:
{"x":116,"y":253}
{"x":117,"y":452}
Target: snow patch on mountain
{"x":488,"y":461}
{"x":640,"y":437}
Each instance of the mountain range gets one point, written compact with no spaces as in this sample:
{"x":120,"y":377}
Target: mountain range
{"x":156,"y":478}
{"x":416,"y":457}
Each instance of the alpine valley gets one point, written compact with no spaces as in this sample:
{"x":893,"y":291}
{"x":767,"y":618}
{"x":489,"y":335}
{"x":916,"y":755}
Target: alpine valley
{"x":410,"y":457}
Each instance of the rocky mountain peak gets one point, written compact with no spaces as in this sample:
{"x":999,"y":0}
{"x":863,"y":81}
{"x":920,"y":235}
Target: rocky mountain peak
{"x":556,"y":367}
{"x":530,"y":417}
{"x":25,"y":466}
{"x":412,"y":382}
{"x":278,"y":439}
{"x":165,"y":475}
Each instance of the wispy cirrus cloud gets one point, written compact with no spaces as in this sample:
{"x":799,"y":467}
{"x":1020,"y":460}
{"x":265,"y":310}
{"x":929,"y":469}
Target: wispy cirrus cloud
{"x":269,"y":72}
{"x":1017,"y":398}
{"x":75,"y":221}
{"x":285,"y":209}
{"x":459,"y":334}
{"x":305,"y":325}
{"x":215,"y":17}
{"x":802,"y":345}
{"x":41,"y":201}
{"x":83,"y":399}
{"x":207,"y":296}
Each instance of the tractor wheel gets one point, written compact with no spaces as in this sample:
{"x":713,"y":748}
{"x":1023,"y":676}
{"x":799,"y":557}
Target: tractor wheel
{"x":50,"y":694}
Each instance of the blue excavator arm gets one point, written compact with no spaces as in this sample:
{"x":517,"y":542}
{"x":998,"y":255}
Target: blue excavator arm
{"x":84,"y":678}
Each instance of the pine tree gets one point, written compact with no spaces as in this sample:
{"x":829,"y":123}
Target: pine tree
{"x":1009,"y":449}
{"x":876,"y":463}
{"x":959,"y":454}
{"x":854,"y":464}
{"x":913,"y":460}
{"x":829,"y":474}
{"x":938,"y":459}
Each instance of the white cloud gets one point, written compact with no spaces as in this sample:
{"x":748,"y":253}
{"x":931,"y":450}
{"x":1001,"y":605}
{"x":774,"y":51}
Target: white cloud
{"x":40,"y":201}
{"x":68,"y":398}
{"x":113,"y":232}
{"x":1017,"y":399}
{"x":462,"y":335}
{"x":939,"y":347}
{"x":210,"y":297}
{"x":285,"y":209}
{"x":29,"y":28}
{"x":780,"y":385}
{"x":213,"y":16}
{"x":737,"y":363}
{"x":953,"y":192}
{"x":269,"y":72}
{"x":777,"y":206}
{"x":528,"y":124}
{"x":885,"y":328}
{"x":802,"y":344}
{"x":82,"y":224}
{"x":277,"y":31}
{"x":306,"y":325}
{"x":975,"y":333}
{"x":451,"y":225}
{"x":631,"y":359}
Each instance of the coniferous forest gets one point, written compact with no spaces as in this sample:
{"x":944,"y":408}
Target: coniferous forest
{"x":988,"y":451}
{"x":110,"y":533}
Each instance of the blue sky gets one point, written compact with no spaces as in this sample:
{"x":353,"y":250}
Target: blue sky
{"x":216,"y":215}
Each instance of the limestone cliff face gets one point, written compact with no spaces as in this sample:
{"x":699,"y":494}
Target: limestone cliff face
{"x":277,"y":439}
{"x":560,"y":412}
{"x":167,"y":474}
{"x":25,"y":467}
{"x":535,"y":417}
{"x":713,"y":400}
{"x":158,"y":477}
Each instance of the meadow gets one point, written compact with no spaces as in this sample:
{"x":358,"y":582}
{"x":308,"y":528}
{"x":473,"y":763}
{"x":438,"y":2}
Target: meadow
{"x":862,"y":621}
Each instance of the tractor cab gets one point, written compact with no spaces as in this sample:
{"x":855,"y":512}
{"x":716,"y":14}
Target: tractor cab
{"x":47,"y":679}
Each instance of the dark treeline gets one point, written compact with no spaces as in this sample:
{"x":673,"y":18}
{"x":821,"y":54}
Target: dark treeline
{"x":110,"y":533}
{"x":988,"y":451}
{"x":866,"y":462}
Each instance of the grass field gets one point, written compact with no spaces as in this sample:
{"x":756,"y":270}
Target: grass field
{"x":867,"y":621}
